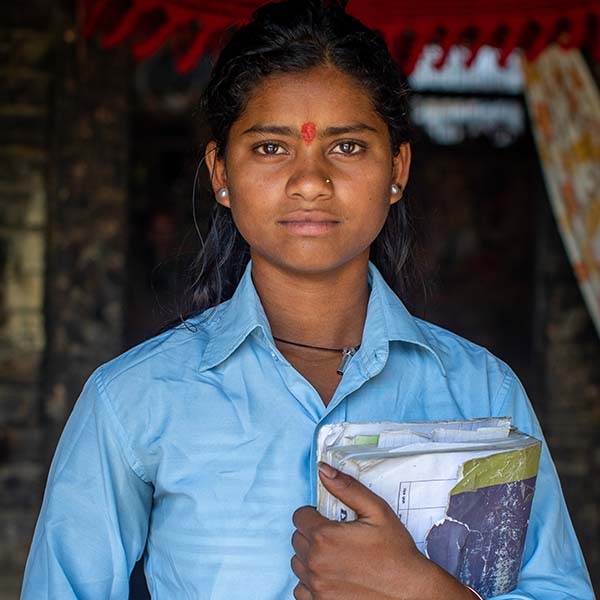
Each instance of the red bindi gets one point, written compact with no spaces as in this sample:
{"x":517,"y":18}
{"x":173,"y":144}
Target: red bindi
{"x":308,"y":131}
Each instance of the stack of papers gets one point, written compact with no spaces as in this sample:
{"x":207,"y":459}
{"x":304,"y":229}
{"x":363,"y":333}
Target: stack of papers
{"x":463,"y":489}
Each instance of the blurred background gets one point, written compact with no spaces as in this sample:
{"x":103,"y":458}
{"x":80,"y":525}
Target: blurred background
{"x":98,"y":155}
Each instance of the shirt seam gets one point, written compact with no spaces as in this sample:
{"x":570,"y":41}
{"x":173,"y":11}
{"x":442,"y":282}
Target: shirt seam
{"x":135,"y":464}
{"x":505,"y":386}
{"x":118,"y":370}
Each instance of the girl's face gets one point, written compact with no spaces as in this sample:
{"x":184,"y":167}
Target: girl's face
{"x":309,"y":170}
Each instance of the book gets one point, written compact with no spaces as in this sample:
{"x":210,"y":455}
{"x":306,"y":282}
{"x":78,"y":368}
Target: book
{"x":463,"y":489}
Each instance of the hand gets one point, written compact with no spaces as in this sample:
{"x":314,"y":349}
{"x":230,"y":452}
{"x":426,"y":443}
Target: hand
{"x":372,"y":558}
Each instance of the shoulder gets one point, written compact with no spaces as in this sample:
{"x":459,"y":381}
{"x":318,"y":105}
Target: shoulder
{"x":457,"y":357}
{"x":457,"y":352}
{"x":472,"y":369}
{"x":173,"y":354}
{"x":139,"y":393}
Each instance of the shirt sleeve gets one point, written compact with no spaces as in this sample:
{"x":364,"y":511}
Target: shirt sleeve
{"x":553,"y":564}
{"x":93,"y":523}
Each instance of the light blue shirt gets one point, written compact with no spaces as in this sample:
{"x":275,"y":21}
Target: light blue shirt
{"x":194,"y":449}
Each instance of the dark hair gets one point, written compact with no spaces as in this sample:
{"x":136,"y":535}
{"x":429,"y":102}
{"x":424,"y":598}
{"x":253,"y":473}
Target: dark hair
{"x":289,"y":37}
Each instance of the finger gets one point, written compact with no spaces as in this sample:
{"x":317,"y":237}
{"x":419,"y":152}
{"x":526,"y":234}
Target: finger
{"x":306,"y":518}
{"x":299,"y":568}
{"x":301,"y":592}
{"x":366,"y":504}
{"x":300,"y":545}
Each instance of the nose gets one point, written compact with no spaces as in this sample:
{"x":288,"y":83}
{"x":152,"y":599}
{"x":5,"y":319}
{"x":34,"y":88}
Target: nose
{"x":309,"y":181}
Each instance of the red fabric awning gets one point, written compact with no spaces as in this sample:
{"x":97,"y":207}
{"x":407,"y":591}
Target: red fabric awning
{"x":194,"y":26}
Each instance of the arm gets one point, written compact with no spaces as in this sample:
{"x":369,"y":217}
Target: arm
{"x":328,"y":555}
{"x":373,"y":557}
{"x":94,"y":518}
{"x":553,"y":565}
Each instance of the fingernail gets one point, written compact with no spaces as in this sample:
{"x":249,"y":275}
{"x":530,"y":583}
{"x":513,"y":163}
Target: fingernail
{"x":327,"y":470}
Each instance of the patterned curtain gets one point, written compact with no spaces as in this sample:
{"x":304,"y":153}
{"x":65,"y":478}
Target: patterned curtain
{"x":564,"y":104}
{"x":194,"y":27}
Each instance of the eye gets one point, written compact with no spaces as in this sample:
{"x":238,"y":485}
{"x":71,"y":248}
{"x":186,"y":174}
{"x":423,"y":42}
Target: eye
{"x":348,"y":148}
{"x":269,"y":149}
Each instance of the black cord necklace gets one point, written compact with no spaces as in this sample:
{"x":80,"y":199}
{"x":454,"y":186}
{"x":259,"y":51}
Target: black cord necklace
{"x":347,"y":353}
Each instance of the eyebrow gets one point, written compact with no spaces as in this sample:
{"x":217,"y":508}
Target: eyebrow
{"x":272,"y":129}
{"x":353,"y":128}
{"x":292,"y":132}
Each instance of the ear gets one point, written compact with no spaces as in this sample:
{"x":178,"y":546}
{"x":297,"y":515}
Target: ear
{"x":216,"y":171}
{"x":400,"y":170}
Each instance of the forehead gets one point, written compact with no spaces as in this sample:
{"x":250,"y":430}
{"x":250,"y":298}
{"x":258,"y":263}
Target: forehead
{"x":322,"y":95}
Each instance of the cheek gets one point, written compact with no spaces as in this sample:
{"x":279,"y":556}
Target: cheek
{"x":249,"y":217}
{"x":242,"y":217}
{"x":374,"y":213}
{"x":377,"y":202}
{"x":378,"y":218}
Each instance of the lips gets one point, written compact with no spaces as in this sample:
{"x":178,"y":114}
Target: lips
{"x":309,"y":222}
{"x":309,"y":216}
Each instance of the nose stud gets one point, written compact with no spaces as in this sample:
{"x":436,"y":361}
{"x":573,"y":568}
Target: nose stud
{"x":328,"y":181}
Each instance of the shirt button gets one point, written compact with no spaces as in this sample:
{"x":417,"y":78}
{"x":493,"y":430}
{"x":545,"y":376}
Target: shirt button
{"x":275,"y":357}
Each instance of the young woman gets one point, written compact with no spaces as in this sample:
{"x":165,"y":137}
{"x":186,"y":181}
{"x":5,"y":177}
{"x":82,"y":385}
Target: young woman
{"x":196,"y":449}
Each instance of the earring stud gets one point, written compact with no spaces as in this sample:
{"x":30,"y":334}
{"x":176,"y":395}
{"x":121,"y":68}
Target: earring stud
{"x":395,"y":189}
{"x":223,"y":193}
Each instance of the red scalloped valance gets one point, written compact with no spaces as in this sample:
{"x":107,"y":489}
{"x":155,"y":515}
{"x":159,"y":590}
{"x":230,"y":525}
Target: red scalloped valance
{"x":194,"y":26}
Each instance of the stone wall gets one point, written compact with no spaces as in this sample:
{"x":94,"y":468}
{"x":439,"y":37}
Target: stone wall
{"x":64,"y":154}
{"x":88,"y":181}
{"x":25,"y":49}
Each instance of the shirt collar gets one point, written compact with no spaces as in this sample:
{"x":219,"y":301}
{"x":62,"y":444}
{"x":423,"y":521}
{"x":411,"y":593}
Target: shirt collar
{"x":388,"y":320}
{"x":231,"y":322}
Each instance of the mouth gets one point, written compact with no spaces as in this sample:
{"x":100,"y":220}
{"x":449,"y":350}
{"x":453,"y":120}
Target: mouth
{"x":309,"y":223}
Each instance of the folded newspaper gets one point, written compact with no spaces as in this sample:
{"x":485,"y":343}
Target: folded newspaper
{"x":463,"y":489}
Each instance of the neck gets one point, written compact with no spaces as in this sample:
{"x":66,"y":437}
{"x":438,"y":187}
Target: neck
{"x":326,"y":310}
